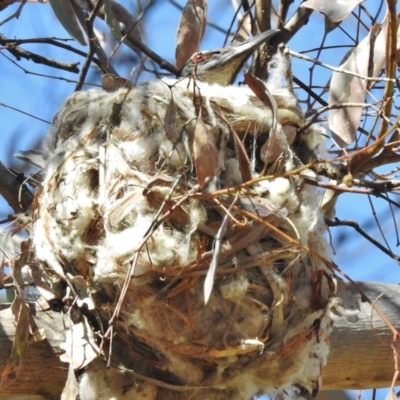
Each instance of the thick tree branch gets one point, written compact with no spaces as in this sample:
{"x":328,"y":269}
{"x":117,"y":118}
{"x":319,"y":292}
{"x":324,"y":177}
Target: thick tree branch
{"x":295,"y":23}
{"x":360,"y":356}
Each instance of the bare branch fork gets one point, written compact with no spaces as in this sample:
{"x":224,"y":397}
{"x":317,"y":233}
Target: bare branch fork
{"x":19,"y":53}
{"x":54,"y":42}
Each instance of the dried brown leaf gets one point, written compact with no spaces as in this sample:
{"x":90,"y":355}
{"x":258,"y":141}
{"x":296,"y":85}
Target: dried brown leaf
{"x":272,"y":153}
{"x":14,"y":364}
{"x":190,"y":30}
{"x":259,"y":206}
{"x":241,"y":153}
{"x":262,"y":207}
{"x":261,"y":91}
{"x":391,"y":395}
{"x":71,"y":389}
{"x":118,"y":162}
{"x":217,"y":246}
{"x":111,"y":83}
{"x":156,"y":199}
{"x":7,"y":248}
{"x":19,"y":262}
{"x":244,"y":28}
{"x":41,"y":285}
{"x":366,"y":59}
{"x":205,"y":152}
{"x":169,"y":120}
{"x":80,"y":345}
{"x":82,"y":291}
{"x":328,"y":201}
{"x":120,"y":208}
{"x":335,"y":10}
{"x":243,"y":159}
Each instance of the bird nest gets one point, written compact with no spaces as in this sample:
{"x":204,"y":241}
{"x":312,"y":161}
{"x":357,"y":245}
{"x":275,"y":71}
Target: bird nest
{"x":203,"y":271}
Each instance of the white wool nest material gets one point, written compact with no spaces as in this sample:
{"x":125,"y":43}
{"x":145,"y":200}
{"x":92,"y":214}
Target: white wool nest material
{"x":121,"y":192}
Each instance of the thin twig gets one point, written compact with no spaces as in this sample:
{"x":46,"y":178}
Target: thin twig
{"x":131,"y":41}
{"x":19,"y":53}
{"x":310,"y":92}
{"x":23,"y":112}
{"x":320,"y":111}
{"x":164,"y":64}
{"x":378,"y":224}
{"x":92,"y":37}
{"x":131,"y":28}
{"x":370,"y":187}
{"x":237,"y":11}
{"x":342,"y":70}
{"x":15,"y":15}
{"x":336,"y":46}
{"x":60,"y":78}
{"x":356,"y":227}
{"x":53,"y":42}
{"x":310,"y":104}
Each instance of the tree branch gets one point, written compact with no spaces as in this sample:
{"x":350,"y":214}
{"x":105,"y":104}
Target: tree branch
{"x":92,"y":48}
{"x":19,"y":53}
{"x":296,"y":21}
{"x":361,"y":356}
{"x":356,"y":349}
{"x":357,"y":228}
{"x":102,"y":64}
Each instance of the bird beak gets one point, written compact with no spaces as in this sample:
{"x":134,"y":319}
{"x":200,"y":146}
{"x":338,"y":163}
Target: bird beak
{"x":248,"y":46}
{"x":222,"y":66}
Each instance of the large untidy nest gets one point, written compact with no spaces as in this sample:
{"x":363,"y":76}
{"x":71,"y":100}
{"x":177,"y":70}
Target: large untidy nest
{"x":215,"y":288}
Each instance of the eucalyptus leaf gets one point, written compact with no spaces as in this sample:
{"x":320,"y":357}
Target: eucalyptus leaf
{"x":111,"y":20}
{"x":66,"y":14}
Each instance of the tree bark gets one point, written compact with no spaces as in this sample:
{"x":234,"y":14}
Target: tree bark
{"x":360,"y":357}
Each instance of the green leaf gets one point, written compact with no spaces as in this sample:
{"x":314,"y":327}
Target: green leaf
{"x":111,"y":20}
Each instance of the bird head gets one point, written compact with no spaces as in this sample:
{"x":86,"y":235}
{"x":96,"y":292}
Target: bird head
{"x":222,"y":66}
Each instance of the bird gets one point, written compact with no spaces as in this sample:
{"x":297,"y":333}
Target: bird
{"x":222,"y":66}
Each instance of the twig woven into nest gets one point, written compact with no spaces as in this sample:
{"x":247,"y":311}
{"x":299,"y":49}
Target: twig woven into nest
{"x":123,"y":207}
